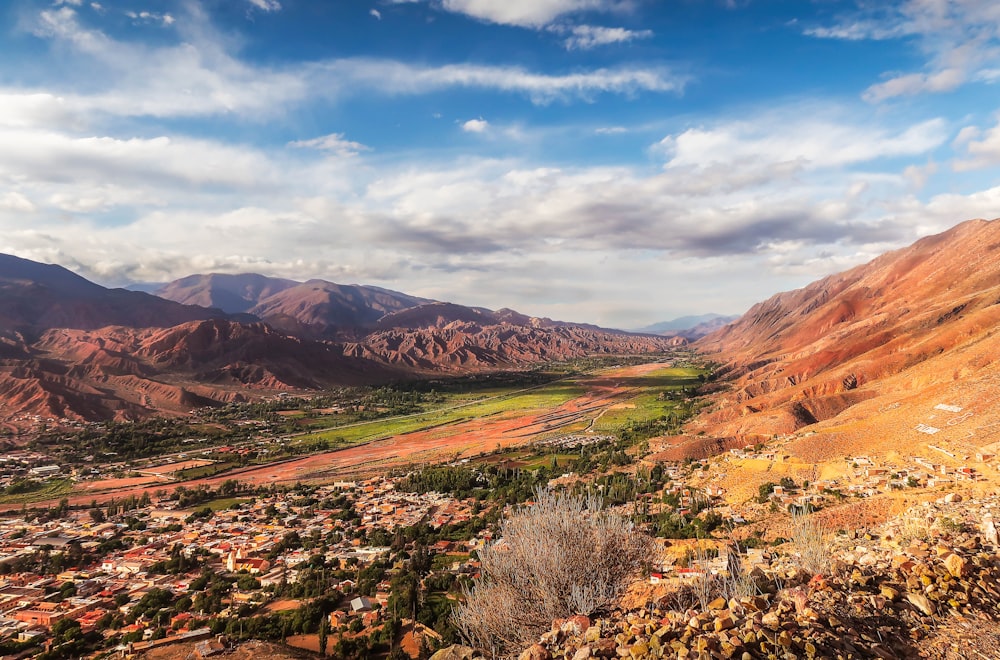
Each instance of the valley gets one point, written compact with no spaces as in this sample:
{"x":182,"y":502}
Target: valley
{"x":298,"y":478}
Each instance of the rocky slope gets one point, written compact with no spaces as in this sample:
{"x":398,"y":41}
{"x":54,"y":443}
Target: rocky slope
{"x":126,"y":373}
{"x":926,"y":585}
{"x":913,"y":326}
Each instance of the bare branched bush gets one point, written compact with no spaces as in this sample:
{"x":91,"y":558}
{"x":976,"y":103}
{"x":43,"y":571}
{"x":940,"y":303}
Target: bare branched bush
{"x":562,"y":556}
{"x":811,"y":549}
{"x":734,"y":582}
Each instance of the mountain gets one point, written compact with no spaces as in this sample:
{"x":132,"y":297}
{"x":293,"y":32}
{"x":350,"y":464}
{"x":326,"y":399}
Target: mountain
{"x":449,"y":337}
{"x":867,"y":355}
{"x":71,"y":349}
{"x":35,"y":297}
{"x":315,"y":308}
{"x":688,"y":323}
{"x":233,"y":294}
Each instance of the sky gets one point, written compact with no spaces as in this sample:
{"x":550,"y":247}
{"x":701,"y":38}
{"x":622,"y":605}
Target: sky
{"x":618,"y":162}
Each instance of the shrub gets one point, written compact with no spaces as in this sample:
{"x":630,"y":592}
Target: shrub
{"x":808,"y":536}
{"x":562,"y":556}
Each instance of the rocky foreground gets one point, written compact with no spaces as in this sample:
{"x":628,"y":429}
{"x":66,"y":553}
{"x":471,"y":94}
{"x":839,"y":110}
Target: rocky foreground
{"x":925,"y":586}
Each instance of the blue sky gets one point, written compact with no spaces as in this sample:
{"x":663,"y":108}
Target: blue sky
{"x":611,"y":161}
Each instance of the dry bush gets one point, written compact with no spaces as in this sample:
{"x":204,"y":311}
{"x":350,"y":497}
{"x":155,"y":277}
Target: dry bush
{"x":562,"y":556}
{"x":809,"y":537}
{"x":696,"y":594}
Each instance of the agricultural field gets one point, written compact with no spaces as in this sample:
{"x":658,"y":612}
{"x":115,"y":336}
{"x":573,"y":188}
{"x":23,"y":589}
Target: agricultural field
{"x":475,"y":421}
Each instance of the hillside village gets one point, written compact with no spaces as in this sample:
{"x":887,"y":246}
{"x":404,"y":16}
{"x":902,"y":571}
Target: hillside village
{"x":119,"y":570}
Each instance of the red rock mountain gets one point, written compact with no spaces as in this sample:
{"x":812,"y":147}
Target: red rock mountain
{"x":877,"y":344}
{"x":72,"y":349}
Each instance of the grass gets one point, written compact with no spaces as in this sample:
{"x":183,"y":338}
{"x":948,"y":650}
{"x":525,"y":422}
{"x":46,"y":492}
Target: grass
{"x":220,"y":504}
{"x":443,"y":562}
{"x":50,"y":489}
{"x":204,"y":471}
{"x":547,"y":396}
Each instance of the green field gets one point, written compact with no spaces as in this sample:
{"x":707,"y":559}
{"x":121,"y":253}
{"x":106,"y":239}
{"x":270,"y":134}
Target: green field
{"x":497,"y":403}
{"x":221,"y":505}
{"x":653,"y":401}
{"x":48,"y":490}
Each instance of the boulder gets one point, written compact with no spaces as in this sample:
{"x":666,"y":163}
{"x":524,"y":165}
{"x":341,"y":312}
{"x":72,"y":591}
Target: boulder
{"x":454,"y":652}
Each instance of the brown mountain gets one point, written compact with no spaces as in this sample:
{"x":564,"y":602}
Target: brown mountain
{"x":316,"y":308}
{"x":867,"y":355}
{"x":449,"y":337}
{"x":125,"y":373}
{"x":73,"y":349}
{"x":233,"y":294}
{"x":35,"y":297}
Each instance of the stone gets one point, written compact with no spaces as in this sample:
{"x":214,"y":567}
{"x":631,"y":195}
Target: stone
{"x":771,"y":620}
{"x":639,"y":651}
{"x":582,"y":653}
{"x":956,"y":565}
{"x":454,"y":652}
{"x":724,"y":622}
{"x":717,"y":604}
{"x":575,"y":625}
{"x":952,"y":497}
{"x":921,"y":603}
{"x":592,"y":634}
{"x":889,"y":593}
{"x":989,"y":530}
{"x":535,"y":652}
{"x":604,"y":648}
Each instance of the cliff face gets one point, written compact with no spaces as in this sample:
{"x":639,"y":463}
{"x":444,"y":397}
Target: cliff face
{"x":924,"y":315}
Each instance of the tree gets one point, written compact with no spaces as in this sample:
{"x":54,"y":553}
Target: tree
{"x":324,"y":627}
{"x":562,"y":556}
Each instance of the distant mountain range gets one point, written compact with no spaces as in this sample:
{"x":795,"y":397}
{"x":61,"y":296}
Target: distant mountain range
{"x":689,"y":327}
{"x":70,"y":348}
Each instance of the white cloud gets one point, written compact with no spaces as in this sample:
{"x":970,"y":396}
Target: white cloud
{"x":399,"y":78}
{"x":476,"y":126}
{"x":527,"y":13}
{"x":15,"y":201}
{"x":266,"y":5}
{"x":334,"y":143}
{"x":960,"y":38}
{"x":804,"y":141}
{"x":151,"y":17}
{"x":199,"y":77}
{"x":982,"y":148}
{"x":584,"y":37}
{"x":610,"y":130}
{"x":376,"y":13}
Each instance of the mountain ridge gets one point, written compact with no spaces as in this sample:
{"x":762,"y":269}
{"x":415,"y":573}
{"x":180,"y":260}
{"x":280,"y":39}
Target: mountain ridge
{"x":913,"y":324}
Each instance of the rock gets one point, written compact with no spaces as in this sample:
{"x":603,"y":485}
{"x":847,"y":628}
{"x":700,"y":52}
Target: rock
{"x":717,"y":604}
{"x":575,"y":625}
{"x":535,"y":652}
{"x":989,"y":530}
{"x":604,"y":648}
{"x":454,"y":652}
{"x":583,"y":653}
{"x":956,"y":565}
{"x":639,"y":651}
{"x":952,"y":497}
{"x":592,"y":634}
{"x":921,"y":603}
{"x":889,"y":593}
{"x":724,"y":622}
{"x":771,"y":620}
